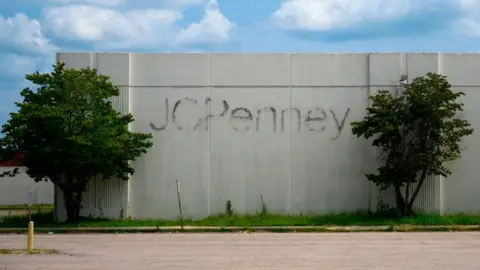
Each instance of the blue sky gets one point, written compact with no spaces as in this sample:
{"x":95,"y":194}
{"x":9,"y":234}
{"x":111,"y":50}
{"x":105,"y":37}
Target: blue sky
{"x":31,"y":31}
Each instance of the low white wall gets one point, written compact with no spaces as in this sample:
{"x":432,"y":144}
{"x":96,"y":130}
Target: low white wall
{"x":14,"y":190}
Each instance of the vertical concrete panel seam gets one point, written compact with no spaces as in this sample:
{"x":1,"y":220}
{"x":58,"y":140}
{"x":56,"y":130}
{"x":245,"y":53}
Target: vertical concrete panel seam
{"x":209,"y":125}
{"x":440,"y":179}
{"x":421,"y":197}
{"x":439,"y":63}
{"x":403,"y":65}
{"x":128,"y":210}
{"x":374,"y":193}
{"x":93,"y":60}
{"x":442,"y":202}
{"x":55,"y":199}
{"x":126,"y":197}
{"x":370,"y":189}
{"x":368,"y":79}
{"x":289,"y":194}
{"x":90,"y":209}
{"x":127,"y":102}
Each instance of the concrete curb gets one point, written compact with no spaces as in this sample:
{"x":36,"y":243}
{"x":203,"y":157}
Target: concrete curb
{"x":219,"y":229}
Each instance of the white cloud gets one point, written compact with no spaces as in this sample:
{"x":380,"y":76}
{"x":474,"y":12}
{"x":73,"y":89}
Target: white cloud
{"x":467,"y":3}
{"x":13,"y":69}
{"x":214,"y":27}
{"x":25,"y":50}
{"x":110,"y":28}
{"x":92,"y":2}
{"x":21,"y":34}
{"x":8,"y":97}
{"x":469,"y":24}
{"x":180,"y":3}
{"x":14,"y":65}
{"x":133,"y":3}
{"x":330,"y":14}
{"x":327,"y":15}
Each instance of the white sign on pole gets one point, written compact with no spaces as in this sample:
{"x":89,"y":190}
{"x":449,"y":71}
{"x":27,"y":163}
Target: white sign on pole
{"x":30,"y":199}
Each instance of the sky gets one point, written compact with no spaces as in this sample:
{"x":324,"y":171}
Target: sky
{"x":32,"y":31}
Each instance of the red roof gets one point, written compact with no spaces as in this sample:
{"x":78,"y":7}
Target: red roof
{"x":17,"y":161}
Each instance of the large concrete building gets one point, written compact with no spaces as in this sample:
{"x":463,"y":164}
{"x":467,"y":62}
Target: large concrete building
{"x":242,"y":127}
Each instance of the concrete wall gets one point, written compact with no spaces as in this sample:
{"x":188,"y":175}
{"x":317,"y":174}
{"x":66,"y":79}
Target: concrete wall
{"x":14,"y":190}
{"x":243,"y":127}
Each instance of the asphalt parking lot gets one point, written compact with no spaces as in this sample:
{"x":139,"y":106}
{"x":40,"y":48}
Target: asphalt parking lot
{"x":248,"y":251}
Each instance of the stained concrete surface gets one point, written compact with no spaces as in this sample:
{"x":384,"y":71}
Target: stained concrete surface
{"x":248,"y":251}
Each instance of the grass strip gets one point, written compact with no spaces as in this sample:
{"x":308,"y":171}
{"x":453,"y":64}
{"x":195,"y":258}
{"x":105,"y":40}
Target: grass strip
{"x":25,"y":207}
{"x":45,"y":220}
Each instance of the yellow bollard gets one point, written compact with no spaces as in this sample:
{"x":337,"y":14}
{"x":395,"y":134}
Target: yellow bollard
{"x":30,"y":237}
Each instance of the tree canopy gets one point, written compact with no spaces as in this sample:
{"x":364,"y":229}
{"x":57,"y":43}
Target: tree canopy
{"x":68,"y":132}
{"x":418,"y":130}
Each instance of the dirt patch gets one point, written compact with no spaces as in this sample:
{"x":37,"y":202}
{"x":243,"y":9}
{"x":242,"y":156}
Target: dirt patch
{"x":4,"y":251}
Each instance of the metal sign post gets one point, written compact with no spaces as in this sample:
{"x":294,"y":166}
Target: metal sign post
{"x":30,"y":224}
{"x":30,"y":203}
{"x":179,"y":205}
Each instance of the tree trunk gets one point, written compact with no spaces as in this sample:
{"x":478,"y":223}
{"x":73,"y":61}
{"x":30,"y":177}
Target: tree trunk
{"x":417,"y":190}
{"x":400,"y":202}
{"x":72,"y":206}
{"x":78,"y":204}
{"x":408,"y":209}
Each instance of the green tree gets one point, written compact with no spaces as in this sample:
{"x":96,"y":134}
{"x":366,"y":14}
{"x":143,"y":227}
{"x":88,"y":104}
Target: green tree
{"x":418,"y":130}
{"x":68,"y":133}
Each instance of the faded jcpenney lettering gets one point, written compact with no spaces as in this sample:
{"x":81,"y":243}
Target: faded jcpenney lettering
{"x":246,"y":119}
